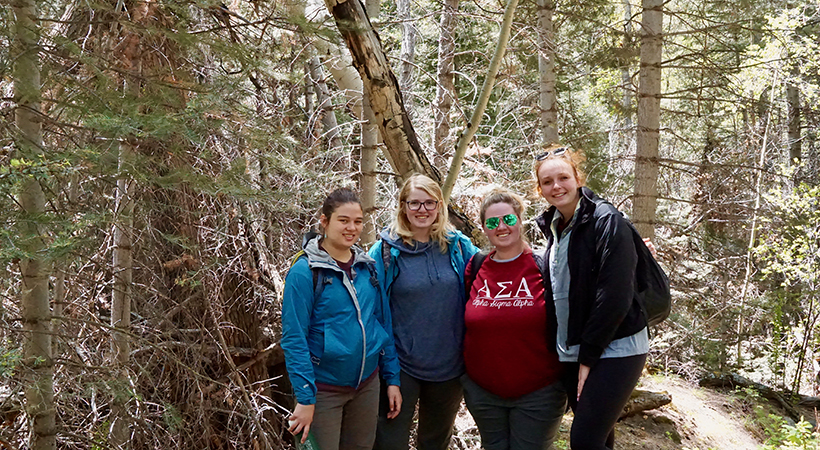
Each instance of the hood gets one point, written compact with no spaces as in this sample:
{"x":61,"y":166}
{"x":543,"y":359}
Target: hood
{"x":320,"y":258}
{"x":396,"y":242}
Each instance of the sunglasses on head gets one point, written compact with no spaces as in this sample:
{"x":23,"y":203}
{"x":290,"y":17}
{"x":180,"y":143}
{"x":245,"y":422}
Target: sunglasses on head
{"x":557,"y":152}
{"x":493,"y":222}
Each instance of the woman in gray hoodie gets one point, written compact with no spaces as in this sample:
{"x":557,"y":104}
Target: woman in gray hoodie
{"x":420,"y":263}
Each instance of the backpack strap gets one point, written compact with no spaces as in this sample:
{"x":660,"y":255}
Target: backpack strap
{"x":317,"y":287}
{"x":386,"y":256}
{"x":475,"y":264}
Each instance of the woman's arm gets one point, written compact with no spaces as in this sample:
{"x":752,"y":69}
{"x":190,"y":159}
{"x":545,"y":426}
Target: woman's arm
{"x":297,"y":310}
{"x":614,"y":290}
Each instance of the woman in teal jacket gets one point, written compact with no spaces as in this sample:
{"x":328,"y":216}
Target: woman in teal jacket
{"x":420,"y":261}
{"x":336,"y":334}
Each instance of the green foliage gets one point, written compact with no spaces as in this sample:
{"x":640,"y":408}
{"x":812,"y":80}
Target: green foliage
{"x":783,"y":435}
{"x":790,"y":251}
{"x":10,"y":358}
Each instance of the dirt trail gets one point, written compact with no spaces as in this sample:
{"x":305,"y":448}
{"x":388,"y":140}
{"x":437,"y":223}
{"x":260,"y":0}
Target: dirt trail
{"x":697,"y":418}
{"x":704,"y":418}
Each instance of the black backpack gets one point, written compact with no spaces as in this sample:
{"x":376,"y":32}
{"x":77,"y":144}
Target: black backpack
{"x":652,"y":284}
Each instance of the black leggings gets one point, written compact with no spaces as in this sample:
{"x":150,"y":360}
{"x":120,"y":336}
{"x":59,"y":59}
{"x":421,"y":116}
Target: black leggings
{"x":606,"y":391}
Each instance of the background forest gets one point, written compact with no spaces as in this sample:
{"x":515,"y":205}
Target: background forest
{"x":160,"y":160}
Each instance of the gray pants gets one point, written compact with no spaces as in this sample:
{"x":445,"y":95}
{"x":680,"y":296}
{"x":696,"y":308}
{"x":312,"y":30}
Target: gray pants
{"x":347,"y":420}
{"x":438,"y":404}
{"x":529,"y":422}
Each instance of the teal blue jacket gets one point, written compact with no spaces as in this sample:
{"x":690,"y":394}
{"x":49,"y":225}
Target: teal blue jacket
{"x":340,"y":336}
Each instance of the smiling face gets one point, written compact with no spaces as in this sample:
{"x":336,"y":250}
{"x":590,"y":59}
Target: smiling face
{"x":421,"y":221}
{"x":344,"y":226}
{"x":505,"y":238}
{"x":558,"y":185}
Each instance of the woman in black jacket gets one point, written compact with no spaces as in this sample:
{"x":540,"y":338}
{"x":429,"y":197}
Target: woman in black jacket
{"x":602,"y":333}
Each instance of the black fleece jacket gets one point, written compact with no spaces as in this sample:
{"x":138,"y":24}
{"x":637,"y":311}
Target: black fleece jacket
{"x":602,"y":259}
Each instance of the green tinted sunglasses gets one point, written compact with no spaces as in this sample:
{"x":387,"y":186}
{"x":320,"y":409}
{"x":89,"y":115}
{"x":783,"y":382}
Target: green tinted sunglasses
{"x":493,"y":222}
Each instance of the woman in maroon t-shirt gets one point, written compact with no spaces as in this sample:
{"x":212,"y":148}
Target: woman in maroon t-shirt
{"x":512,"y":386}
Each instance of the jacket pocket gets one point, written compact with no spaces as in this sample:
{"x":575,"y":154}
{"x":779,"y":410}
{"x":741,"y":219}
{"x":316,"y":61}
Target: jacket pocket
{"x":316,"y":343}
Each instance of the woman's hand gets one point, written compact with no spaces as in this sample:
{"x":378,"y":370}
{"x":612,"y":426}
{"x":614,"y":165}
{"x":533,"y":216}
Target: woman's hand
{"x":650,"y":246}
{"x":394,"y":400}
{"x":301,"y":419}
{"x":583,"y":373}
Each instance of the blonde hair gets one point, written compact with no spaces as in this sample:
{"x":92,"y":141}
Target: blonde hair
{"x":502,"y":195}
{"x":441,"y":226}
{"x":575,"y":159}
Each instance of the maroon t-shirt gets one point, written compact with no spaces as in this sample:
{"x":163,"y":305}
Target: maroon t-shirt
{"x":505,"y":344}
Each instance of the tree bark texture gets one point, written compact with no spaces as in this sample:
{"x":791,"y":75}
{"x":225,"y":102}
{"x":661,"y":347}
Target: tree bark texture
{"x":645,"y":197}
{"x":381,"y":85}
{"x":324,"y":107}
{"x":733,"y":380}
{"x":642,"y":400}
{"x":484,"y":97}
{"x":626,"y":77}
{"x":445,"y":88}
{"x":369,"y":160}
{"x":407,"y":53}
{"x":122,"y":236}
{"x":546,"y":69}
{"x":793,"y":98}
{"x":35,"y":308}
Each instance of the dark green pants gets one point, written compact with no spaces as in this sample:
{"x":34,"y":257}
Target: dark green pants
{"x":438,"y":404}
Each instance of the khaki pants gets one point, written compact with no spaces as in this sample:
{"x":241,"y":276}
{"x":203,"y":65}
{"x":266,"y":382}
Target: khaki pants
{"x":347,"y":420}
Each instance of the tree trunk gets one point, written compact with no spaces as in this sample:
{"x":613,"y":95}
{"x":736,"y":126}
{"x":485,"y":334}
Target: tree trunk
{"x":445,"y":90}
{"x":122,"y":257}
{"x":324,"y":106}
{"x":546,"y":68}
{"x":401,"y":142}
{"x":407,"y":53}
{"x":793,"y":98}
{"x":367,"y":164}
{"x":122,"y":288}
{"x":645,"y":196}
{"x":36,"y":315}
{"x":626,"y":78}
{"x":484,"y":97}
{"x":733,"y":380}
{"x":642,"y":400}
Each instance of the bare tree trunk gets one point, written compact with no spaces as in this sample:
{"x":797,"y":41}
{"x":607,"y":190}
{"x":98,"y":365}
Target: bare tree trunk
{"x":484,"y":97}
{"x":122,"y":288}
{"x":407,"y":54}
{"x":36,"y":314}
{"x":445,"y":90}
{"x":546,"y":69}
{"x":645,"y":196}
{"x":793,"y":98}
{"x":324,"y":108}
{"x":626,"y":78}
{"x":122,"y":234}
{"x":370,"y":142}
{"x":753,"y":227}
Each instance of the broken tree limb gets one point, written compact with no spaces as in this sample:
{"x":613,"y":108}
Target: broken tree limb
{"x":733,"y":380}
{"x":642,"y":400}
{"x":382,"y":87}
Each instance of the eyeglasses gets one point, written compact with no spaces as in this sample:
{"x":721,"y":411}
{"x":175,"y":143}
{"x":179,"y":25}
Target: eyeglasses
{"x":493,"y":222}
{"x":415,"y":205}
{"x":557,"y":152}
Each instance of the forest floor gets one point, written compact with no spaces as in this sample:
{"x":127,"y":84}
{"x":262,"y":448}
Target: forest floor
{"x":698,"y":418}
